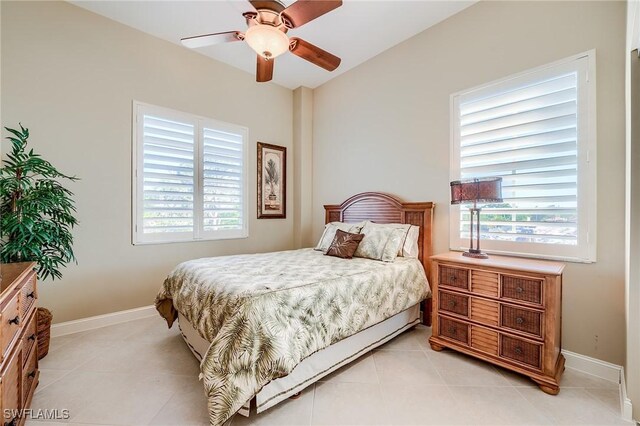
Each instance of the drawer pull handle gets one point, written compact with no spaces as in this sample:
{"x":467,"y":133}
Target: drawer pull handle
{"x":452,"y":303}
{"x":453,"y":278}
{"x":518,"y":350}
{"x":452,"y":329}
{"x":32,"y":294}
{"x":32,"y":374}
{"x":520,"y":320}
{"x":519,"y":289}
{"x":32,"y":337}
{"x":15,"y":321}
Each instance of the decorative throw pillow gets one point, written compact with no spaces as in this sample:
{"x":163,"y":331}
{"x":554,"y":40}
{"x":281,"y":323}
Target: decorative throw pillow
{"x":330,"y":232}
{"x":380,"y":242}
{"x":344,"y":244}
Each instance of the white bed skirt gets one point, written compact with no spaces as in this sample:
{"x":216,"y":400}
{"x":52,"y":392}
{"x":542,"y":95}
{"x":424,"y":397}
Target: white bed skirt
{"x":318,"y":365}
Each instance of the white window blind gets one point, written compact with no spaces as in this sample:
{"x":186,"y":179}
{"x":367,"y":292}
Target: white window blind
{"x":191,"y":177}
{"x":533,"y":130}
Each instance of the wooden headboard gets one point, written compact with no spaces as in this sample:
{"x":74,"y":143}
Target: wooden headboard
{"x":383,"y":208}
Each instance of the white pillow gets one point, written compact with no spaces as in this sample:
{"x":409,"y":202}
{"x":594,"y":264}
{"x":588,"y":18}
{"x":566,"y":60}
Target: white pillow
{"x":380,"y":242}
{"x":330,"y":232}
{"x":409,"y":247}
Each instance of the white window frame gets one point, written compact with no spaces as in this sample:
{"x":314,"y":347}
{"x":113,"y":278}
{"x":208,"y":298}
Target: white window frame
{"x":199,"y":122}
{"x":585,"y":250}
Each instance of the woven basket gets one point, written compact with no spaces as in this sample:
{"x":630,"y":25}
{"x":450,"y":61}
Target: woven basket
{"x":44,"y":331}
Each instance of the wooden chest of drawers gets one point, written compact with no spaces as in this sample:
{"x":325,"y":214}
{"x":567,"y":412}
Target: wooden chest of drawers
{"x":503,"y":310}
{"x":18,"y":341}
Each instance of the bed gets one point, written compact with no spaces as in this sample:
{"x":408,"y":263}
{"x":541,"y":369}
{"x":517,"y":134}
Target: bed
{"x":266,"y":326}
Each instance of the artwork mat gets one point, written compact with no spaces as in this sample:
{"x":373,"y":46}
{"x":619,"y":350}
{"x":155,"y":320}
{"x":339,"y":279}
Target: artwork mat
{"x":265,"y":211}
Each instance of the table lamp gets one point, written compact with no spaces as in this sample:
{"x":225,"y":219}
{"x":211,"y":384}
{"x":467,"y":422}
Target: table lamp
{"x":482,"y":190}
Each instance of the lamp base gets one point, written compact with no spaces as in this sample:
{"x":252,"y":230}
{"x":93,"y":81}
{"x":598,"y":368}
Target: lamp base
{"x":476,"y":254}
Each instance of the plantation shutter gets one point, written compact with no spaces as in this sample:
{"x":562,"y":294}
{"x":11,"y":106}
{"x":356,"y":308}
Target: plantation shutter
{"x":531,"y":130}
{"x":223,"y":175}
{"x":168,"y":176}
{"x":191,"y":177}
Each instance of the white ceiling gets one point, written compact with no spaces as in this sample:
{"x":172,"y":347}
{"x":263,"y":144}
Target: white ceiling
{"x":356,"y":31}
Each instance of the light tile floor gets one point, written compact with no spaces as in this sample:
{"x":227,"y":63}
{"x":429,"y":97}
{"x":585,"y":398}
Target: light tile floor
{"x":140,"y":373}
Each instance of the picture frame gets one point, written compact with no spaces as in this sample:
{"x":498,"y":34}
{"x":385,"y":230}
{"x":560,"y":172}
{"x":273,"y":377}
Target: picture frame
{"x":272,"y":181}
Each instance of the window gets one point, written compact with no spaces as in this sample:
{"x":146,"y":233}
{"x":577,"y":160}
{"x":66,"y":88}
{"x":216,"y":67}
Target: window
{"x":190,"y":177}
{"x":537,"y":131}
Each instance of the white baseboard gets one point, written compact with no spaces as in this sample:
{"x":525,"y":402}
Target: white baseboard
{"x":625,"y":402}
{"x":91,"y":323}
{"x":604,"y":370}
{"x":595,"y":367}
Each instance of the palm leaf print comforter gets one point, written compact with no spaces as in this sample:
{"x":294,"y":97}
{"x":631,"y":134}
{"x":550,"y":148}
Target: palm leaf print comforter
{"x":264,"y":313}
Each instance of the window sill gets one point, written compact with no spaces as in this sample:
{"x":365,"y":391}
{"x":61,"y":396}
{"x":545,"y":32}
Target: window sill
{"x":531,"y":255}
{"x":200,"y":240}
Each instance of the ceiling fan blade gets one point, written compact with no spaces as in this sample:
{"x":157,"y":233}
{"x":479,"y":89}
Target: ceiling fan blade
{"x":314,"y":54}
{"x":304,"y":11}
{"x":211,"y":39}
{"x":264,"y":71}
{"x":267,"y":4}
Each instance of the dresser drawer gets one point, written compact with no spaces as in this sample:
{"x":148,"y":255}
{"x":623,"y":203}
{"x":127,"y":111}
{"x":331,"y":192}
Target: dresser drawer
{"x":484,"y":340}
{"x":523,"y":289}
{"x":454,"y":303}
{"x":29,"y":373}
{"x":9,"y":321}
{"x":525,"y":320}
{"x":28,"y":296}
{"x":484,"y":283}
{"x":10,"y":381}
{"x":455,"y":330}
{"x":29,"y":336}
{"x":521,"y":351}
{"x":485,"y":311}
{"x":453,"y":277}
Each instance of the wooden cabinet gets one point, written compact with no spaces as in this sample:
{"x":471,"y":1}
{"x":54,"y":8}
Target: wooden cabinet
{"x":503,"y":310}
{"x":18,"y":340}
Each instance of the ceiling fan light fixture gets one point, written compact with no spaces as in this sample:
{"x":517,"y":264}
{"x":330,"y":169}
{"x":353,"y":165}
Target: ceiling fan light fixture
{"x":268,"y":41}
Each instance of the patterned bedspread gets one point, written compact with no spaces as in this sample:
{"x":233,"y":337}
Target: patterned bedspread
{"x":264,"y":313}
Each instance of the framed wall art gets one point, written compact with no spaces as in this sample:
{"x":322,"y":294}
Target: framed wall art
{"x":272,"y":181}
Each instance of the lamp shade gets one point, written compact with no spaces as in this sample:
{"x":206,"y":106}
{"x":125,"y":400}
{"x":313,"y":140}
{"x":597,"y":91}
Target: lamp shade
{"x":266,"y":40}
{"x":484,"y":190}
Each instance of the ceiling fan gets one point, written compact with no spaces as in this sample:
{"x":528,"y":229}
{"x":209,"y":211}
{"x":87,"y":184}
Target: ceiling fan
{"x":267,"y":34}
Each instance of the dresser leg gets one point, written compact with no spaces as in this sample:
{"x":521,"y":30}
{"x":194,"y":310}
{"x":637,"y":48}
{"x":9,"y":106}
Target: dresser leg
{"x":436,"y":347}
{"x":548,"y":388}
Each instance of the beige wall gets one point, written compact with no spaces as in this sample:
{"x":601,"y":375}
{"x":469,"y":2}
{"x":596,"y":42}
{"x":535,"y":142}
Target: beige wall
{"x":384,"y":126}
{"x":70,"y":76}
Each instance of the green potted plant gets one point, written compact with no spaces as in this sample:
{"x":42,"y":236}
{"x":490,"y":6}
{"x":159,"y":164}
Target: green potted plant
{"x":36,"y":218}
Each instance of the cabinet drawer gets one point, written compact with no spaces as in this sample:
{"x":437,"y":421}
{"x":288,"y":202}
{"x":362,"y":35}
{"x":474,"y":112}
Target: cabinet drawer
{"x":521,"y":351}
{"x":525,"y":320}
{"x":10,"y":382}
{"x":28,"y":296}
{"x":455,"y":303}
{"x":29,"y":336}
{"x":9,"y":322}
{"x":524,"y":289}
{"x":453,"y":277}
{"x":484,"y":311}
{"x":455,"y":330}
{"x":29,"y":372}
{"x":484,"y":340}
